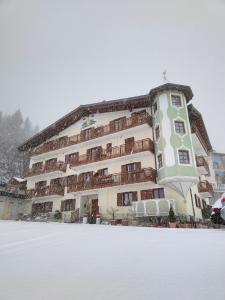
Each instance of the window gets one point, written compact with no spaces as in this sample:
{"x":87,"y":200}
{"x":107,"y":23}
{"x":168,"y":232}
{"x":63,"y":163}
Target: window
{"x":197,"y":201}
{"x":179,"y":127}
{"x":87,"y":133}
{"x":37,"y":165}
{"x":72,"y":157}
{"x":125,"y":199}
{"x":119,"y":124}
{"x":158,"y":193}
{"x":131,"y":167}
{"x":103,"y":172}
{"x":50,"y":162}
{"x":155,"y":107}
{"x":85,"y":177}
{"x":68,"y":205}
{"x":184,"y":157}
{"x":146,"y":194}
{"x":160,"y":162}
{"x":176,"y":100}
{"x":41,"y":184}
{"x":157,"y":134}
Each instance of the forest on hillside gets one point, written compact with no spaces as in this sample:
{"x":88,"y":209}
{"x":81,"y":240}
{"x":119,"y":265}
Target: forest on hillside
{"x":14,"y":130}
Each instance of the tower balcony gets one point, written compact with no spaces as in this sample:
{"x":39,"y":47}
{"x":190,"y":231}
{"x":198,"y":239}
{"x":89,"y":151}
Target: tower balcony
{"x":95,"y":182}
{"x":54,"y":167}
{"x":205,"y":189}
{"x":117,"y":125}
{"x":113,"y":152}
{"x":202,"y":165}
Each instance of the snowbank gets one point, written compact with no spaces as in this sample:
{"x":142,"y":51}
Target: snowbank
{"x":42,"y":261}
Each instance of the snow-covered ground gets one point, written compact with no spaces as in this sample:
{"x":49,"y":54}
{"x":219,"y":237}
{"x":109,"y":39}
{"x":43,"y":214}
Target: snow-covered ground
{"x":47,"y":261}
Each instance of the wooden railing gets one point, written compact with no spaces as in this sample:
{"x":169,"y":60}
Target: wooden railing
{"x":205,"y":187}
{"x":118,"y":151}
{"x":201,"y":162}
{"x":147,"y":174}
{"x":46,"y":191}
{"x":58,"y":166}
{"x":136,"y":120}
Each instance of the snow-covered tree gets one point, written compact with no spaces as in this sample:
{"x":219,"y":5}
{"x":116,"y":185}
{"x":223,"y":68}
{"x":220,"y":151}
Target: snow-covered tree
{"x":14,"y":130}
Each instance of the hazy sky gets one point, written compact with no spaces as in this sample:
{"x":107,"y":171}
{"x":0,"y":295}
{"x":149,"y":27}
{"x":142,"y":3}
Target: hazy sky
{"x":58,"y":54}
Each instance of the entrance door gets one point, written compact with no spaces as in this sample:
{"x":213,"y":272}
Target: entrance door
{"x":94,"y":207}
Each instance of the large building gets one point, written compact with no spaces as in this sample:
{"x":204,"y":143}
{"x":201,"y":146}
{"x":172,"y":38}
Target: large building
{"x":219,"y":169}
{"x":129,"y":157}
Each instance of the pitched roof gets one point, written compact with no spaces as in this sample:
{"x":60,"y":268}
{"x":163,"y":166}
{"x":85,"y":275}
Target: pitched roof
{"x":83,"y":111}
{"x":101,"y":107}
{"x":198,"y":127}
{"x":172,"y":86}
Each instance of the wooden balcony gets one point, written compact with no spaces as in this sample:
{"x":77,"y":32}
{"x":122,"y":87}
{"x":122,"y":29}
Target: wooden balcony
{"x":118,"y":151}
{"x":135,"y":120}
{"x":147,"y":174}
{"x":205,"y":188}
{"x":45,"y":191}
{"x":202,"y":165}
{"x":58,"y":166}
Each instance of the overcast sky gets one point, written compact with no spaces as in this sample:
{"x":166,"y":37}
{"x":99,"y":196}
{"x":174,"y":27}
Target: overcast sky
{"x":58,"y":54}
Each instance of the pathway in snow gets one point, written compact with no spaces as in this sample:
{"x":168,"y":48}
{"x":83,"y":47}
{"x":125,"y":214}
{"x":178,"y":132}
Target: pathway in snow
{"x":48,"y":261}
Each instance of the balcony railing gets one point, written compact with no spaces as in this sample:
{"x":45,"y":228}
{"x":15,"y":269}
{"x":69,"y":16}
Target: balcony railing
{"x":118,"y":151}
{"x":147,"y":174}
{"x":46,"y":191}
{"x":205,"y":187}
{"x":201,"y":162}
{"x":58,"y":166}
{"x":136,"y":120}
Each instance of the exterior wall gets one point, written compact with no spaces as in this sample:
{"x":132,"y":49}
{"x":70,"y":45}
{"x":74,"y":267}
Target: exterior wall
{"x":10,"y":207}
{"x":169,"y":141}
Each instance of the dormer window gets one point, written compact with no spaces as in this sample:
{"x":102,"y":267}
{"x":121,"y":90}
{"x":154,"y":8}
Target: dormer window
{"x":176,"y":100}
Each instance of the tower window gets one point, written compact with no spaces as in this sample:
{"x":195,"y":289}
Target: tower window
{"x":157,"y":133}
{"x":176,"y":100}
{"x":184,"y":157}
{"x":179,"y":127}
{"x":160,"y":162}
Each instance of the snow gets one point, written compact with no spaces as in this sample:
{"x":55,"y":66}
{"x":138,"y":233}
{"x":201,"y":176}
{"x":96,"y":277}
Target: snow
{"x":45,"y":261}
{"x":218,"y":203}
{"x":19,"y":179}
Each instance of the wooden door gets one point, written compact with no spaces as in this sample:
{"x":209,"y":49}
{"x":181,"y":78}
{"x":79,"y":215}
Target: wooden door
{"x":94,"y":207}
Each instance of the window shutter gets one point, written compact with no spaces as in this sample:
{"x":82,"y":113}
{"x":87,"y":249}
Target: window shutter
{"x":124,"y":168}
{"x":134,"y":196}
{"x":67,"y":158}
{"x":146,"y":194}
{"x":73,"y":204}
{"x":62,"y":205}
{"x":129,"y":144}
{"x":119,"y":199}
{"x":112,"y":126}
{"x":109,"y":148}
{"x":89,"y":154}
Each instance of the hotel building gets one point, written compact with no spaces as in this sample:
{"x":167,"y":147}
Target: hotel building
{"x":133,"y":157}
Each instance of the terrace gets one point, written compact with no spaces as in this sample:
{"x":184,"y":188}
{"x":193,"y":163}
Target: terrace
{"x":120,"y":124}
{"x":113,"y":152}
{"x":94,"y":182}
